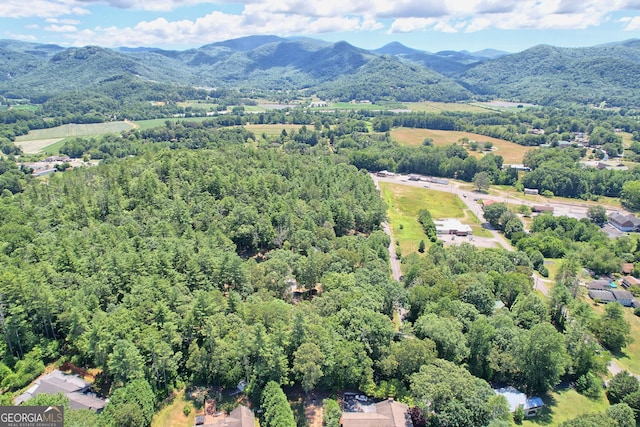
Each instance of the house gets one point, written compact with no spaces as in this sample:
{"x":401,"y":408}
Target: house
{"x":387,"y":413}
{"x":624,"y":223}
{"x":518,"y":167}
{"x":239,"y":417}
{"x":531,"y":191}
{"x":623,"y":297}
{"x":542,"y":209}
{"x":75,"y":388}
{"x":602,"y":296}
{"x":629,"y":281}
{"x":452,"y":226}
{"x":487,"y":202}
{"x":599,"y":285}
{"x":627,"y":268}
{"x":516,"y":398}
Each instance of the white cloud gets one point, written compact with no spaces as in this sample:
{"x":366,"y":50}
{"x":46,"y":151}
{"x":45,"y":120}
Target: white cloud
{"x":408,"y":25}
{"x":63,"y":21}
{"x":61,"y":28}
{"x":23,"y":37}
{"x":633,"y":24}
{"x":39,"y":8}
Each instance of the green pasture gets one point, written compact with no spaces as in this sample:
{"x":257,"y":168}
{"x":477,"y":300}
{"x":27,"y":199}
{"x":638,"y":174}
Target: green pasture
{"x":441,"y":107}
{"x":71,"y":130}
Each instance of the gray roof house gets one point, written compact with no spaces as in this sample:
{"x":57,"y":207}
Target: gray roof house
{"x":74,"y":387}
{"x":603,"y":296}
{"x":515,"y":398}
{"x":623,"y":297}
{"x":599,"y":285}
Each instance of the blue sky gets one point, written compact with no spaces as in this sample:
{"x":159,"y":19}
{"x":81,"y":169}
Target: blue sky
{"x":432,"y":25}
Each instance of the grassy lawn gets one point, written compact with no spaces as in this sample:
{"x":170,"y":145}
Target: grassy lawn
{"x":511,"y":153}
{"x":405,"y":201}
{"x":273,"y":130}
{"x":439,"y":107}
{"x":630,"y":357}
{"x":172,"y":415}
{"x":564,"y":405}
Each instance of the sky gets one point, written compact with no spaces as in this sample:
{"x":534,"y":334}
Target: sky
{"x":430,"y":25}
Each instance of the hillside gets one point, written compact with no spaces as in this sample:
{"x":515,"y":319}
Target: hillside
{"x":546,"y":74}
{"x":542,"y":75}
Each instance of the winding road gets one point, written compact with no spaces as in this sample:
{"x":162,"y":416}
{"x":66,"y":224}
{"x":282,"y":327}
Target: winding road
{"x":576,"y":210}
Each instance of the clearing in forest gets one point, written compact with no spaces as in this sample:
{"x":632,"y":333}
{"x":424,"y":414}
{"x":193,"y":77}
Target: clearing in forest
{"x":439,"y":107}
{"x":38,"y":140}
{"x":404,"y":202}
{"x":273,"y":130}
{"x":510,"y":152}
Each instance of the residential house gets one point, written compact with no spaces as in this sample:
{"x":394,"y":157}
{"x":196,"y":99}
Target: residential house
{"x":516,"y":398}
{"x":387,"y":413}
{"x":624,"y":223}
{"x":599,"y":285}
{"x":239,"y":417}
{"x":627,"y":268}
{"x":602,"y":296}
{"x":629,"y":281}
{"x":623,"y":297}
{"x":75,"y":388}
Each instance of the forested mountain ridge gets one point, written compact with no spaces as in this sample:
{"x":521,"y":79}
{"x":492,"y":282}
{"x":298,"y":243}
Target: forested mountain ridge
{"x":542,"y":74}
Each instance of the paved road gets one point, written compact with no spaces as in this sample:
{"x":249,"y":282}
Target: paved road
{"x":577,"y":210}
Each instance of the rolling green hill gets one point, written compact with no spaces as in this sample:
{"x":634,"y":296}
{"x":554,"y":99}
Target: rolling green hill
{"x":542,"y":75}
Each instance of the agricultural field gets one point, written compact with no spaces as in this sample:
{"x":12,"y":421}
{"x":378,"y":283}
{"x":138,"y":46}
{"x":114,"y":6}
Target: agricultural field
{"x":439,"y":107}
{"x":40,"y":140}
{"x":404,"y":202}
{"x":510,"y":152}
{"x":271,"y":130}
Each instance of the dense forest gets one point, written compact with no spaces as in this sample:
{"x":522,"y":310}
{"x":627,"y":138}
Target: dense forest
{"x":175,"y":261}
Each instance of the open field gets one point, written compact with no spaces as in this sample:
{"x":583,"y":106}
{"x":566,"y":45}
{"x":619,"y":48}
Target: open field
{"x":439,"y":107}
{"x":564,"y":405}
{"x":272,"y":130}
{"x":39,"y":140}
{"x":405,"y":201}
{"x":38,"y":145}
{"x":172,"y":415}
{"x":510,"y":152}
{"x":70,"y":130}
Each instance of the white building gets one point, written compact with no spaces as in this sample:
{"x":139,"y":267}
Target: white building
{"x":452,"y":226}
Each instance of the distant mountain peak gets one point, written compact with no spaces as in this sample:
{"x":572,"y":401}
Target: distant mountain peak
{"x":396,"y":48}
{"x":245,"y":44}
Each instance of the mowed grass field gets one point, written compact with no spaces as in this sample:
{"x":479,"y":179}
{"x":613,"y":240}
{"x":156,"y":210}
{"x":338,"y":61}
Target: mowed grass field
{"x":439,"y":107}
{"x":405,"y":201}
{"x":273,"y":130}
{"x":42,"y":139}
{"x":564,"y":405}
{"x":510,"y":152}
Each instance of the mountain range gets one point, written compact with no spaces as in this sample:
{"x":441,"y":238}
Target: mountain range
{"x":542,"y":74}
